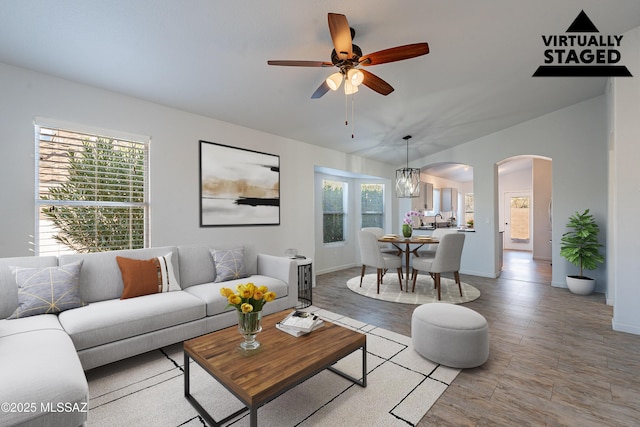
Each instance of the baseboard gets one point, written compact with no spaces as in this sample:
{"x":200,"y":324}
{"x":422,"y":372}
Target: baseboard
{"x":623,"y":327}
{"x":480,"y":274}
{"x":333,"y":269}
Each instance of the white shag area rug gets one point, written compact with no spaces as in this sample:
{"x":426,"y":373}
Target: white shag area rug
{"x":425,"y":291}
{"x":147,"y":390}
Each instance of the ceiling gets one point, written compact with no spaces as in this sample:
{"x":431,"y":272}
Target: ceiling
{"x":210,"y":58}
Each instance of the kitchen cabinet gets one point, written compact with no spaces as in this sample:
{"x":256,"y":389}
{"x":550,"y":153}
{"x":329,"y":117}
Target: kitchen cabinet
{"x":448,"y":199}
{"x":425,"y":201}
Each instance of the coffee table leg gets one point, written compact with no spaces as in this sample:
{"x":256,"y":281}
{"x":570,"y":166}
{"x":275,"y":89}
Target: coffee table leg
{"x":203,"y":412}
{"x":361,"y":383}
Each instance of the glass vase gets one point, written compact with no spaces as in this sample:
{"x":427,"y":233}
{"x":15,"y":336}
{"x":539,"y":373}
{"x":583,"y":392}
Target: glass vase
{"x":249,"y":324}
{"x":406,"y":230}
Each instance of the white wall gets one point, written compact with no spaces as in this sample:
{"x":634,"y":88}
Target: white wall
{"x":578,"y":184}
{"x":624,"y":190}
{"x":173,"y":160}
{"x":542,"y":198}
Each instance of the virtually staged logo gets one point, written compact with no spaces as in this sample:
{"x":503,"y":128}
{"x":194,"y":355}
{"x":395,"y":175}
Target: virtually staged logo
{"x":581,"y":53}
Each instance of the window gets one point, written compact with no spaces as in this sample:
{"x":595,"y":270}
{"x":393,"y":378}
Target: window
{"x":333,"y":211}
{"x":372,"y":205}
{"x":468,"y":209}
{"x":520,"y":218}
{"x":91,"y":192}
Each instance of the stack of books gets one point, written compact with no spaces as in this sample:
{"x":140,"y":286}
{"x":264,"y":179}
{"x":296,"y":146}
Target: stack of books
{"x":299,"y":323}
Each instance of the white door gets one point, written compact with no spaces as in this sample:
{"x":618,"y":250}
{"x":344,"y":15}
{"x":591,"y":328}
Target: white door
{"x":518,"y":232}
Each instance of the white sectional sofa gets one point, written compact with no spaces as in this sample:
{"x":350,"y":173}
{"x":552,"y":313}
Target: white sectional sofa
{"x":43,"y":357}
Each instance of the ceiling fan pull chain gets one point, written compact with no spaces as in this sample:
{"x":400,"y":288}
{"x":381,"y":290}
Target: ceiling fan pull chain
{"x":352,"y":125}
{"x":346,"y":109}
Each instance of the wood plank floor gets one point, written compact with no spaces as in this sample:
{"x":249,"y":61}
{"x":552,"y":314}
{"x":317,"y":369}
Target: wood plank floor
{"x":554,"y":359}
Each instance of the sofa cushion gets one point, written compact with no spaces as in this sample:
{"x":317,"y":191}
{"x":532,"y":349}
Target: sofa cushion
{"x":48,"y":290}
{"x":26,"y":324}
{"x":8,"y":286}
{"x":197,"y":267}
{"x":100,"y":277}
{"x":139,"y":277}
{"x":216,"y":303}
{"x":144,"y":277}
{"x":42,"y":367}
{"x":229,"y":264}
{"x":112,"y":320}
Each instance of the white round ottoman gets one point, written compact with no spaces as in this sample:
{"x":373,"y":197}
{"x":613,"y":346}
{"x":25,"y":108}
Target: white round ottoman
{"x":450,"y":335}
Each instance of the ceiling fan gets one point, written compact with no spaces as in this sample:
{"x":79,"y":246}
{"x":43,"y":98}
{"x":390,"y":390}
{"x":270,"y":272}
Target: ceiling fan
{"x":348,"y":57}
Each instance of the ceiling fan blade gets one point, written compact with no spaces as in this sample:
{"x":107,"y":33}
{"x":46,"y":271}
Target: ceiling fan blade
{"x":341,"y":35}
{"x":393,"y":54}
{"x":324,"y":88}
{"x":301,"y":63}
{"x":375,"y":83}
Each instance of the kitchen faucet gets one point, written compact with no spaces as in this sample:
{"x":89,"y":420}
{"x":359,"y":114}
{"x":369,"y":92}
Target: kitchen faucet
{"x":436,"y":217}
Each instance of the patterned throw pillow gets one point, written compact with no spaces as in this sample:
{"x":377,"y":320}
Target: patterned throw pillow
{"x":229,"y":264}
{"x":144,"y":277}
{"x":49,"y":290}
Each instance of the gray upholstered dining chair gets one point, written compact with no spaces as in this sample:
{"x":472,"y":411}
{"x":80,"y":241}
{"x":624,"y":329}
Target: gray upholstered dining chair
{"x":372,"y":256}
{"x":429,"y":251}
{"x":446,"y":260}
{"x":384,"y":247}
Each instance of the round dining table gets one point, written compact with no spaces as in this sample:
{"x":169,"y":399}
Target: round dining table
{"x":399,"y":241}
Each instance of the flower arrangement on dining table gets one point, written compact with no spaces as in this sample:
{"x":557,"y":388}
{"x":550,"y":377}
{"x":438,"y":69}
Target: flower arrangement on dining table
{"x":407,"y":226}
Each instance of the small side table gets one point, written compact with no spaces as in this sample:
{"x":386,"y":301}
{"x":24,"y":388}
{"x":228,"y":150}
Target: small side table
{"x":305,"y":282}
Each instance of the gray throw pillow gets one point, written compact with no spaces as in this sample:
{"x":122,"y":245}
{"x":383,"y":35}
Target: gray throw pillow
{"x":48,"y":290}
{"x":229,"y":264}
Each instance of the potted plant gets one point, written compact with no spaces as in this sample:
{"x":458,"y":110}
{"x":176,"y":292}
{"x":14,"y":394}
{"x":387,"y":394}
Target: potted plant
{"x":580,"y":247}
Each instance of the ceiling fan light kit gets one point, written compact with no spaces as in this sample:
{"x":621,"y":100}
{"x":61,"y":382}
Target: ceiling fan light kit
{"x":334,"y":81}
{"x":349,"y":88}
{"x":407,"y":179}
{"x":348,"y":57}
{"x":356,"y":77}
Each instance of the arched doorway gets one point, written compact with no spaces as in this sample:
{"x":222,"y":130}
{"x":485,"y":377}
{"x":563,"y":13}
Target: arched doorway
{"x":525,"y":197}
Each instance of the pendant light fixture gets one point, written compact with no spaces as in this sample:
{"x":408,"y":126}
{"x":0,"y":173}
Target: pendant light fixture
{"x":408,"y":179}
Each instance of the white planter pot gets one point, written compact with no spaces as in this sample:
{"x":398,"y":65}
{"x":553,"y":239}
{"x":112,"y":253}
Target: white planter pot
{"x":581,"y":286}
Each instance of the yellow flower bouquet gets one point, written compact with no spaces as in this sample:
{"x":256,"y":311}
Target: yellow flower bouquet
{"x":248,"y":299}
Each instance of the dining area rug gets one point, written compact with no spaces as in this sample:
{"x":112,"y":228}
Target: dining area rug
{"x":147,"y":390}
{"x":425,"y":292}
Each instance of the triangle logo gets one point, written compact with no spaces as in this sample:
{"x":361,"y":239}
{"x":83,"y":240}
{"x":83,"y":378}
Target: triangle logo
{"x":582,"y":24}
{"x":582,"y":55}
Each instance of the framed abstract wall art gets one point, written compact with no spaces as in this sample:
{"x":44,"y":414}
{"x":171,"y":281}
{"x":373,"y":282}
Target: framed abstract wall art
{"x":238,"y":187}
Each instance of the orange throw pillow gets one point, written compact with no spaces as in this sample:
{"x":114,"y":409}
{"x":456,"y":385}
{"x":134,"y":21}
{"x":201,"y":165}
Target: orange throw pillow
{"x":140,"y":277}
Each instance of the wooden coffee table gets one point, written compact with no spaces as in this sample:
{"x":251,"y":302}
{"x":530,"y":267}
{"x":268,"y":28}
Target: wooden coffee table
{"x":281,"y":363}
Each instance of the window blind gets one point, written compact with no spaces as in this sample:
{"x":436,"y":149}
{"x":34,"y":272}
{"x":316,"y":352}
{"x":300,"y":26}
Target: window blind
{"x":91,"y":192}
{"x":333,"y":212}
{"x":372,"y":205}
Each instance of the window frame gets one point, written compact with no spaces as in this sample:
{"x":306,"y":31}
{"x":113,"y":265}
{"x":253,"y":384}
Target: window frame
{"x":140,"y":142}
{"x":382,"y":208}
{"x":344,"y":212}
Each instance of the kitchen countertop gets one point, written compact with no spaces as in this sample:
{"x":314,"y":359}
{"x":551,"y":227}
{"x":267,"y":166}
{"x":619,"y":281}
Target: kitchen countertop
{"x":462,"y":230}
